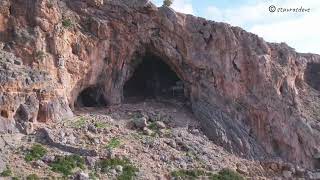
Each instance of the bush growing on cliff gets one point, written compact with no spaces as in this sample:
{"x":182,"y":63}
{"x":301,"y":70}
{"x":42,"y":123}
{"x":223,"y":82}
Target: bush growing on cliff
{"x":33,"y":177}
{"x":40,"y":55}
{"x":114,"y":143}
{"x":129,"y":170}
{"x":167,"y":3}
{"x":6,"y":173}
{"x":66,"y":23}
{"x":225,"y":174}
{"x":189,"y":174}
{"x":49,"y":4}
{"x":66,"y":164}
{"x":35,"y":153}
{"x":79,"y":123}
{"x":101,"y":125}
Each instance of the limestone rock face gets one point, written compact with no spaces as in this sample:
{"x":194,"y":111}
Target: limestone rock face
{"x":256,"y":99}
{"x":27,"y":95}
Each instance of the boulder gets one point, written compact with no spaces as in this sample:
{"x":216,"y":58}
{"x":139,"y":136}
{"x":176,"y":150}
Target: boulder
{"x":81,"y":176}
{"x":313,"y":175}
{"x":160,"y":124}
{"x":287,"y":174}
{"x":140,"y":123}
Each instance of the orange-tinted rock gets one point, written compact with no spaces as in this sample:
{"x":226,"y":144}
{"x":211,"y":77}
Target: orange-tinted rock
{"x":254,"y":98}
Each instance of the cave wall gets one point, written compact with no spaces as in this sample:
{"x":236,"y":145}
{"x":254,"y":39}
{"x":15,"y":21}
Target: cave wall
{"x":249,"y":95}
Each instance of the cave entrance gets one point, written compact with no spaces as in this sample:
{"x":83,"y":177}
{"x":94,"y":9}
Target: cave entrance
{"x":153,"y":78}
{"x":91,"y":97}
{"x":312,"y":73}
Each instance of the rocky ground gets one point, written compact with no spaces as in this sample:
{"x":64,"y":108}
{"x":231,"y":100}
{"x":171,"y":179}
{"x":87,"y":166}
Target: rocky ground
{"x":148,"y":140}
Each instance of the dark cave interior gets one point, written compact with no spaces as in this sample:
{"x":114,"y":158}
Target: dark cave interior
{"x":153,"y":78}
{"x":91,"y":97}
{"x":312,"y":73}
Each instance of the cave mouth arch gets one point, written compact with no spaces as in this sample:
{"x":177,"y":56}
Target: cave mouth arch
{"x":152,"y":78}
{"x":312,"y":73}
{"x":91,"y":97}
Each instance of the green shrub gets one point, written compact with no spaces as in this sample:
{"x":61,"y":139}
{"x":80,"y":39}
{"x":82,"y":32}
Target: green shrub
{"x":107,"y":164}
{"x":153,"y":126}
{"x":40,"y":55}
{"x":81,"y":122}
{"x":227,"y":174}
{"x":66,"y":164}
{"x":35,"y":153}
{"x":7,"y":172}
{"x":66,"y":23}
{"x":167,"y":2}
{"x":101,"y":125}
{"x":189,"y":174}
{"x":128,"y":172}
{"x":49,"y":4}
{"x":33,"y":177}
{"x":93,"y":176}
{"x":114,"y":143}
{"x":192,"y":155}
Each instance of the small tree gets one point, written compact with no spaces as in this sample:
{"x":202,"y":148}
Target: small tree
{"x":167,"y":2}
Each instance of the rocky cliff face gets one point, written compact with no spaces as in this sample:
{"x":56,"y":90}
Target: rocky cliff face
{"x":256,"y":99}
